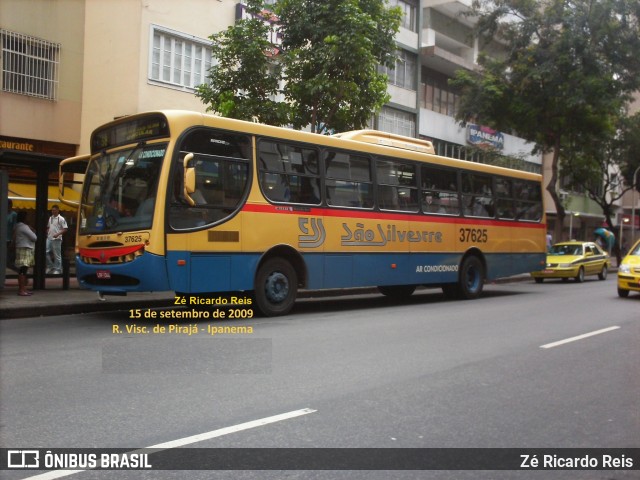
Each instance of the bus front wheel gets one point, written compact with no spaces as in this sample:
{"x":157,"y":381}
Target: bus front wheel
{"x":276,"y":287}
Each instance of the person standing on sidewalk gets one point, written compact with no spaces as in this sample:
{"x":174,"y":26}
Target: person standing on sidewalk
{"x":25,"y":245}
{"x":12,"y":216}
{"x":56,"y":227}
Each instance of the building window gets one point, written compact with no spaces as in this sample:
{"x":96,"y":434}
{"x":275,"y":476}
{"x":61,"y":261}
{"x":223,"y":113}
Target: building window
{"x":396,"y":121}
{"x":409,"y":17}
{"x":178,"y":59}
{"x":437,"y":95}
{"x":29,"y":65}
{"x":404,"y":73}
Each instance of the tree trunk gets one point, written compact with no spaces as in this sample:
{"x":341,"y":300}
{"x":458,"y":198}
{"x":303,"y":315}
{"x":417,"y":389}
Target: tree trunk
{"x":551,"y":188}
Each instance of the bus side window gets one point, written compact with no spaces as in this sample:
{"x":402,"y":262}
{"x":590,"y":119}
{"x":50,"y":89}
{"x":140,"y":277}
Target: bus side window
{"x":288,"y":173}
{"x":477,"y":195}
{"x":397,"y":188}
{"x":348,"y":181}
{"x":222,"y":172}
{"x":439,"y":191}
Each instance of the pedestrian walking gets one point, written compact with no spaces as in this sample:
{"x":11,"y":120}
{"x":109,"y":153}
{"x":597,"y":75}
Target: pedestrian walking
{"x":25,"y":239}
{"x":56,"y":228}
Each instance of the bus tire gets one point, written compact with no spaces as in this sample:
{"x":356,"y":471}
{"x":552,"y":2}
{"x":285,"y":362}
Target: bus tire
{"x":398,"y":292}
{"x":471,"y":279}
{"x":276,"y":287}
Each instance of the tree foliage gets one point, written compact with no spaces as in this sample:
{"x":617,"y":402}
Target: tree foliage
{"x":243,"y":82}
{"x":327,"y":65}
{"x":568,"y":72}
{"x":599,"y":165}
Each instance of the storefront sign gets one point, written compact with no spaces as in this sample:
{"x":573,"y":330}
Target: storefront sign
{"x":484,"y":137}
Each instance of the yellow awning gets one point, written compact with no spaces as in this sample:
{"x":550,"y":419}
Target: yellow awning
{"x":24,"y":197}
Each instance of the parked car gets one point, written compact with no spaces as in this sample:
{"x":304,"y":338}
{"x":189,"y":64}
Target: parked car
{"x":629,"y":272}
{"x":575,"y":260}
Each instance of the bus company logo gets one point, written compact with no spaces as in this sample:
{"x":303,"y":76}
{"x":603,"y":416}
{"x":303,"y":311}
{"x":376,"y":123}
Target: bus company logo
{"x":23,"y":459}
{"x":313,"y":232}
{"x":380,"y":236}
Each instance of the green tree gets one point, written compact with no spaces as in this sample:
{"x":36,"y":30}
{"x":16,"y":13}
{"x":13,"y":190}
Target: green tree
{"x":569,"y":70}
{"x":603,"y":167}
{"x":244,"y":80}
{"x":328,"y":64}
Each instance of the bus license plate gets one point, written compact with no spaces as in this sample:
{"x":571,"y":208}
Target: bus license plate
{"x":103,"y":274}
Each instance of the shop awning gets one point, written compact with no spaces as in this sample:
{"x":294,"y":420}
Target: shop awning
{"x":24,"y":197}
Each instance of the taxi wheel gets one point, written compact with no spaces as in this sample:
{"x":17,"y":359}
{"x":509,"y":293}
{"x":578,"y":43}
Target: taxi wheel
{"x":580,"y":276}
{"x":538,"y":279}
{"x":623,"y":293}
{"x":603,"y":274}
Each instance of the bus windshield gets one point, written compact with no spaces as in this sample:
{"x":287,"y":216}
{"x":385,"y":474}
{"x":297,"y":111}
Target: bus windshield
{"x":120,"y":190}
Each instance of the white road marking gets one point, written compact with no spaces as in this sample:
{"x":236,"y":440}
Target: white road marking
{"x":181,"y":442}
{"x":579,"y":337}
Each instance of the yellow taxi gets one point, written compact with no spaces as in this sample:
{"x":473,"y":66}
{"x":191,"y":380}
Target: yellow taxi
{"x":629,"y":272}
{"x":575,"y":260}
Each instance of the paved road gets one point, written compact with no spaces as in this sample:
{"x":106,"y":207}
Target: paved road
{"x":370,"y":373}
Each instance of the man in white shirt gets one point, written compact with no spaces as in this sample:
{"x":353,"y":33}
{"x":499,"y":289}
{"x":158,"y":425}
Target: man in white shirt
{"x":56,"y":227}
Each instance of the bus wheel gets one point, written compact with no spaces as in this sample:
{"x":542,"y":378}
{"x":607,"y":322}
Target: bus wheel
{"x":398,"y":291}
{"x":471,"y":278}
{"x":276,"y":287}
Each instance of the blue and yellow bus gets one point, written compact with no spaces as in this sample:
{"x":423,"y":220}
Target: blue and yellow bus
{"x":198,"y":204}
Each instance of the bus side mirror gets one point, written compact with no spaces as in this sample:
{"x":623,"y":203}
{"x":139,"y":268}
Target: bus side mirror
{"x":66,"y":173}
{"x":189,"y":179}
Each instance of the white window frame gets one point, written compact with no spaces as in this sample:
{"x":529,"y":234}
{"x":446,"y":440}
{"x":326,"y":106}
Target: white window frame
{"x":179,"y":60}
{"x":29,"y":65}
{"x":397,"y":121}
{"x":404,"y":73}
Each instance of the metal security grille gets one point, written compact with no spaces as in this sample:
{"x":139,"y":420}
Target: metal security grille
{"x":29,"y":65}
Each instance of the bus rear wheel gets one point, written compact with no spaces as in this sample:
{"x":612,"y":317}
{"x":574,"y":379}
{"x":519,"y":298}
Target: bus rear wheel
{"x":276,"y":287}
{"x":471,"y":280}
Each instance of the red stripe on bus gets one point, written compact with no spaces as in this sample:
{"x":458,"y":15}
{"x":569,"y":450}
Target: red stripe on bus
{"x":398,"y":217}
{"x":103,"y":254}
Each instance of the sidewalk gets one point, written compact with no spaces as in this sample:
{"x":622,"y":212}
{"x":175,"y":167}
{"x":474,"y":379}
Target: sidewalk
{"x":56,"y":301}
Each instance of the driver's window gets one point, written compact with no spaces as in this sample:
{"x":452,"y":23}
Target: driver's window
{"x":221,"y":164}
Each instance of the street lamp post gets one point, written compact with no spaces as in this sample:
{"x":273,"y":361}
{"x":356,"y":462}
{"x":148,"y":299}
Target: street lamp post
{"x":622,"y":222}
{"x":572,"y":214}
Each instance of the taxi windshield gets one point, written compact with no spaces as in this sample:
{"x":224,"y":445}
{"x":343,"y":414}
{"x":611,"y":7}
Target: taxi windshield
{"x":120,"y":190}
{"x":566,"y":250}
